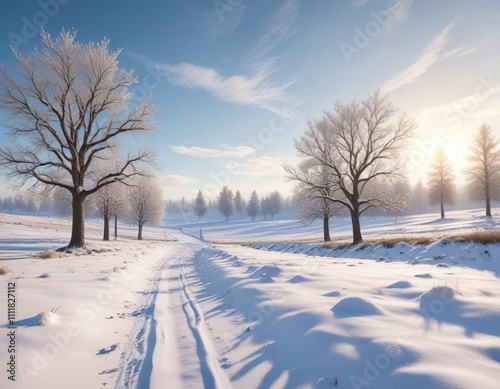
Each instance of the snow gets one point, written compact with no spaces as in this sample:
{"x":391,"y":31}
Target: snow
{"x":179,"y":312}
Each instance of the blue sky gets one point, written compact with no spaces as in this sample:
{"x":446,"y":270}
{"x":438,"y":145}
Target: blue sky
{"x":235,"y":80}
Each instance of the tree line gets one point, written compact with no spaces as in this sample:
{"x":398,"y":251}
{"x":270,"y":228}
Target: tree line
{"x":352,"y":162}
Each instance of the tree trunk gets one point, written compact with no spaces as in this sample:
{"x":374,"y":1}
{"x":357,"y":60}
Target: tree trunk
{"x":488,"y":201}
{"x":106,"y":227}
{"x":139,"y":234}
{"x":326,"y":228}
{"x":78,"y":222}
{"x":356,"y":227}
{"x":116,"y":226}
{"x":442,"y":207}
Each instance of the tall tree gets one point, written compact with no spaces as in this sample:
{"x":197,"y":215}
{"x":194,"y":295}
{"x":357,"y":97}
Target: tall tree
{"x":239,"y":202}
{"x":146,"y":203}
{"x":69,"y":104}
{"x":226,"y":202}
{"x":483,"y":172}
{"x":275,"y":203}
{"x":200,"y":205}
{"x":441,"y":181}
{"x":356,"y":143}
{"x":253,"y":207}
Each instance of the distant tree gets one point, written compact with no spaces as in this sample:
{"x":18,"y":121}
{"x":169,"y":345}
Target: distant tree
{"x":264,"y":206}
{"x":356,"y":143}
{"x":418,"y":198}
{"x":441,"y":181}
{"x":275,"y":203}
{"x":483,"y":172}
{"x":239,"y":202}
{"x":200,"y":205}
{"x":146,"y":203}
{"x":8,"y":204}
{"x":107,"y":202}
{"x":312,"y":206}
{"x":68,"y":105}
{"x":226,"y":202}
{"x":400,"y":192}
{"x":253,"y":207}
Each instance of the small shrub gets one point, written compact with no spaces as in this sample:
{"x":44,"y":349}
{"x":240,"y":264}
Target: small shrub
{"x":50,"y":254}
{"x":3,"y":270}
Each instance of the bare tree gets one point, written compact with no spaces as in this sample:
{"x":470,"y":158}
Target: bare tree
{"x":275,"y":203}
{"x":356,"y":143}
{"x":239,"y":202}
{"x":483,"y":172}
{"x":253,"y":207}
{"x":69,"y":105}
{"x":146,"y":203}
{"x":200,"y":205}
{"x":107,"y":202}
{"x":441,"y":181}
{"x":226,"y":202}
{"x":313,"y":202}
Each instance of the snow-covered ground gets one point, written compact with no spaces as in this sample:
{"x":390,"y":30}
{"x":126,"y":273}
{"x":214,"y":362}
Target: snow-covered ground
{"x":173,"y":311}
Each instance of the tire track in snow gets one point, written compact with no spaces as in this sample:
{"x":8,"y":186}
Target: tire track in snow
{"x":148,"y":347}
{"x":212,"y":374}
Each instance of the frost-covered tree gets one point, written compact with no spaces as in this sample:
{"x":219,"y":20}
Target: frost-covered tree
{"x":312,"y":202}
{"x":356,"y":143}
{"x":253,"y":207}
{"x":441,"y":181}
{"x":200,"y":205}
{"x":483,"y":171}
{"x":239,"y":202}
{"x":109,"y":201}
{"x":418,"y":198}
{"x":275,"y":203}
{"x":69,"y":104}
{"x":146,"y":203}
{"x":226,"y":202}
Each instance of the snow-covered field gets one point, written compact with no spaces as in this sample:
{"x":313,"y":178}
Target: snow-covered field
{"x":173,"y":311}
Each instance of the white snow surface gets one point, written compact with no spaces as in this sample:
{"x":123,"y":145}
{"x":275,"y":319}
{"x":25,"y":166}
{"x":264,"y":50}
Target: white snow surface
{"x":174,"y":311}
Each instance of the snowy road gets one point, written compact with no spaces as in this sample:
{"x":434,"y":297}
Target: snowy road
{"x":172,"y":335}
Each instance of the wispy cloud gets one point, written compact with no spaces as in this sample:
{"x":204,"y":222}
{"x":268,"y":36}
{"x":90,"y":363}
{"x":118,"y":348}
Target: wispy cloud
{"x":429,"y":56}
{"x":256,"y":90}
{"x":224,"y":18}
{"x":397,"y":13}
{"x":282,"y":28}
{"x":201,"y":152}
{"x":175,"y":180}
{"x":257,"y":167}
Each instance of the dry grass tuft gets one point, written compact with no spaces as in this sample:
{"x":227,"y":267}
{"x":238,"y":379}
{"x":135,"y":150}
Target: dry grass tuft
{"x":480,"y":237}
{"x":50,"y":254}
{"x":3,"y":270}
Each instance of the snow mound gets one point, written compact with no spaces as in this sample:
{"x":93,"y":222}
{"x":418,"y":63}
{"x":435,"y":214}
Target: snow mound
{"x":266,"y":273}
{"x":335,"y":293}
{"x":423,"y":275}
{"x":354,"y":306}
{"x":435,"y":300}
{"x":48,"y":318}
{"x":297,"y":279}
{"x":400,"y":285}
